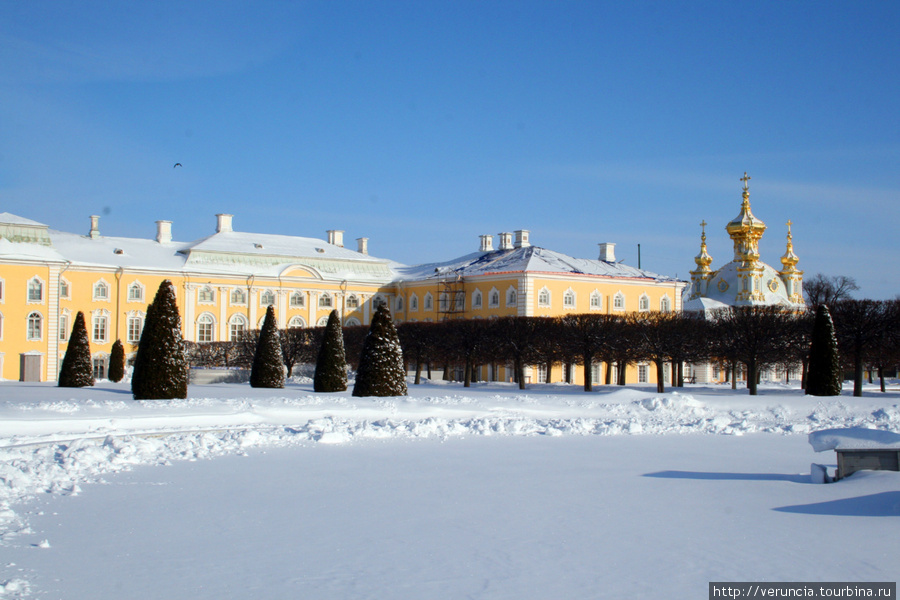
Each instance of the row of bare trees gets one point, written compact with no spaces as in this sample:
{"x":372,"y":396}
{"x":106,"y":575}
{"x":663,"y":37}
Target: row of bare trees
{"x":757,"y":338}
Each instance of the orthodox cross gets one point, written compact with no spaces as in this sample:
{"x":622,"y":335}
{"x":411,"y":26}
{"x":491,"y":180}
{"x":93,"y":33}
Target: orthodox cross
{"x":746,"y":178}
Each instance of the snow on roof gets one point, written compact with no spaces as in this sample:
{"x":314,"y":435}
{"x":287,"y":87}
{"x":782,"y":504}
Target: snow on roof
{"x":12,"y":219}
{"x":526,"y":259}
{"x":118,"y":251}
{"x":854,"y":438}
{"x":266,"y":244}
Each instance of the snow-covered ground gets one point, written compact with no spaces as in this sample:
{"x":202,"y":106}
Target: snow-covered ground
{"x":484,"y":492}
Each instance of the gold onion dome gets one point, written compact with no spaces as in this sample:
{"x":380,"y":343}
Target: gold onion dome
{"x":745,"y":229}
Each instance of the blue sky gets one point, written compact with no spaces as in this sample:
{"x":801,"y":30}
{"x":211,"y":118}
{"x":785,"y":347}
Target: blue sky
{"x":422,"y":125}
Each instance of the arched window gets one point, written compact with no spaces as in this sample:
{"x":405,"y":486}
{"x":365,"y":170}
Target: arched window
{"x":494,"y":298}
{"x":297,"y":300}
{"x":101,"y":291}
{"x":35,"y":290}
{"x":619,"y":301}
{"x":460,"y":301}
{"x":399,"y":303}
{"x":35,"y":326}
{"x":429,"y":301}
{"x":267,"y":298}
{"x":569,"y":299}
{"x":325,"y":301}
{"x":378,"y":301}
{"x":64,"y":289}
{"x":205,"y":327}
{"x":206,"y":294}
{"x":238,"y":296}
{"x":322,"y":322}
{"x":352,"y":301}
{"x":476,"y":299}
{"x":135,"y":292}
{"x":596,"y":300}
{"x":237,"y":327}
{"x":444,"y":301}
{"x":296,"y":323}
{"x":413,"y":303}
{"x":512,"y":297}
{"x":644,"y":303}
{"x":544,"y":297}
{"x":665,"y":304}
{"x":352,"y":322}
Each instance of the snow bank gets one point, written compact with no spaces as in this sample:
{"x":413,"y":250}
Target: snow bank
{"x":854,"y":438}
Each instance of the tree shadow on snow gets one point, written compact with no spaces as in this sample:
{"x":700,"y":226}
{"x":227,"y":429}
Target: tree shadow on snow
{"x":883,"y":504}
{"x":730,"y":476}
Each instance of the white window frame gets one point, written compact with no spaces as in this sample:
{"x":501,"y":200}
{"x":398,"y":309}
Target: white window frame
{"x":103,"y":285}
{"x":596,"y":300}
{"x":100,"y":327}
{"x":325,"y":300}
{"x":643,"y":373}
{"x":34,"y":293}
{"x":570,"y":299}
{"x":429,"y":301}
{"x":399,"y":303}
{"x":206,"y":324}
{"x":619,"y":301}
{"x":206,"y":295}
{"x":237,"y":327}
{"x":34,"y":328}
{"x":64,"y":326}
{"x":413,"y":303}
{"x":65,"y":289}
{"x":296,"y":323}
{"x":494,"y":298}
{"x":644,"y":303}
{"x":134,"y":327}
{"x":665,"y":304}
{"x":545,"y":298}
{"x":135,"y":292}
{"x":512,"y":296}
{"x":238,"y":296}
{"x":477,"y":299}
{"x":297,"y":300}
{"x":264,"y":298}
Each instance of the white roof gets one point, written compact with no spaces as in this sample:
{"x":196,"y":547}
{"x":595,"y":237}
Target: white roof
{"x":12,"y":219}
{"x":532,"y":259}
{"x":854,"y":438}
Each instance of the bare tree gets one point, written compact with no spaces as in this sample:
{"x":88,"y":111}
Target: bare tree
{"x":827,"y":290}
{"x":587,"y":336}
{"x":860,"y":326}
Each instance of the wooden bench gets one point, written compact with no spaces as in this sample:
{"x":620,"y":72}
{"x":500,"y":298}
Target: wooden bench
{"x":859,"y":449}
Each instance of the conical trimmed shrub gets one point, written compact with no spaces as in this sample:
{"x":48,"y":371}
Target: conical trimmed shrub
{"x":825,"y":376}
{"x":117,"y":362}
{"x":381,"y":370}
{"x":268,"y":363}
{"x":331,"y":366}
{"x":77,"y":368}
{"x":160,"y":367}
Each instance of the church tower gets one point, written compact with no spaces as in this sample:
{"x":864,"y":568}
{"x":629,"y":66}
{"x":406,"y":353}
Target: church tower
{"x":700,"y":277}
{"x":790,"y":275}
{"x":745,"y":231}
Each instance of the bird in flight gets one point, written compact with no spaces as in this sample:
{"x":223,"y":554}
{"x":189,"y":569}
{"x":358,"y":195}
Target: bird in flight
{"x":177,"y":165}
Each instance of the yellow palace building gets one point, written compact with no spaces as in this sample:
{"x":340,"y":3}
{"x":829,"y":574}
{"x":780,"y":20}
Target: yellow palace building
{"x":224,"y":283}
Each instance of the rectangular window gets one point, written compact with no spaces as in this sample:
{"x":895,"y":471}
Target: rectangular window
{"x":99,"y":368}
{"x":135,"y":326}
{"x":643,"y":373}
{"x":63,"y":328}
{"x":35,"y":291}
{"x":100,"y":329}
{"x":63,"y":289}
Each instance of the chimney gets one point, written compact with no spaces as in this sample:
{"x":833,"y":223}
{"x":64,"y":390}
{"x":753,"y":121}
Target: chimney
{"x":362,"y":245}
{"x":487,"y":243}
{"x":522,"y":238}
{"x":505,"y":241}
{"x":223,"y":223}
{"x":336,"y":237}
{"x":164,"y":232}
{"x":607,"y":252}
{"x":95,"y":227}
